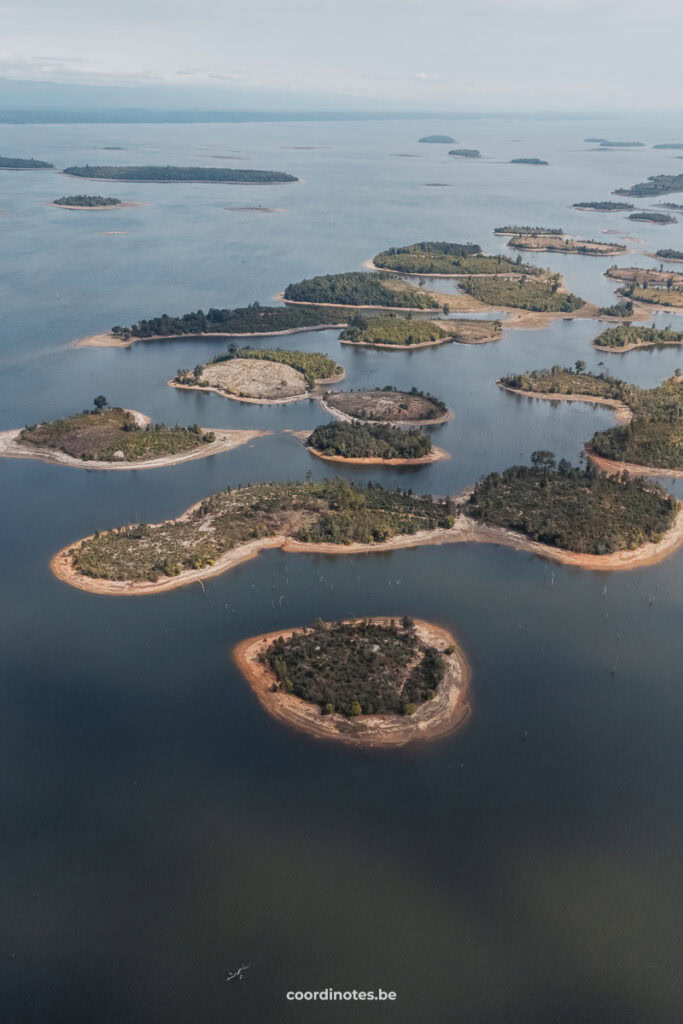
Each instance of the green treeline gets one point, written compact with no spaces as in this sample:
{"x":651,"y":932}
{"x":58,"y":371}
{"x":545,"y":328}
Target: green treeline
{"x":436,"y":138}
{"x":606,"y":205}
{"x":605,"y":142}
{"x":333,"y":510}
{"x":542,"y":296}
{"x":654,"y":218}
{"x":654,"y":437}
{"x":113,"y":435}
{"x":572,"y":508}
{"x":472,"y":153}
{"x":169,"y":173}
{"x":391,"y":330}
{"x":617,"y":309}
{"x":669,"y":254}
{"x":87,"y":201}
{"x":632,"y":334}
{"x":369,"y":441}
{"x":656,"y":185}
{"x":18,"y":163}
{"x":528,"y":160}
{"x":253,"y":319}
{"x":565,"y":380}
{"x":313,"y":365}
{"x":668,"y":145}
{"x":359,"y":289}
{"x":448,"y":258}
{"x":361,"y":668}
{"x":526,"y":229}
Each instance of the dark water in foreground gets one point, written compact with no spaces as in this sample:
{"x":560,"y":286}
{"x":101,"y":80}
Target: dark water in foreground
{"x":158,"y":828}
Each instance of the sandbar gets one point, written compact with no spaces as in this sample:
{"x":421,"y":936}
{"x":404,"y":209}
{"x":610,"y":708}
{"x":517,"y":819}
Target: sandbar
{"x":433,"y":719}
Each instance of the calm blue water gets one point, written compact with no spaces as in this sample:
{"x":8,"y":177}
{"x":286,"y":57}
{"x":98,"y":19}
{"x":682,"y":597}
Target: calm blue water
{"x":158,"y":827}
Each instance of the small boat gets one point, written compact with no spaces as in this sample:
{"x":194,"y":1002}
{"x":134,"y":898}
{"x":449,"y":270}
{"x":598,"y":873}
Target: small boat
{"x":238,"y":974}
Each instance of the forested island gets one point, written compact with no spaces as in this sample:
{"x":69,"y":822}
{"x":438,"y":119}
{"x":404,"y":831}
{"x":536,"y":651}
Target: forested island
{"x":603,"y":206}
{"x":16,"y":163}
{"x":526,"y":229}
{"x":357,"y":288}
{"x":197,"y":174}
{"x":529,"y":160}
{"x":620,"y":145}
{"x":575,"y":509}
{"x":369,"y":682}
{"x":670,"y":206}
{"x":557,"y":243}
{"x":656,"y":185}
{"x":266,"y":375}
{"x":562,"y":381}
{"x":253,"y":319}
{"x":377,"y":442}
{"x":437,"y":138}
{"x":115,"y":438}
{"x":652,"y":217}
{"x":624,"y":310}
{"x":669,"y":254}
{"x":471,"y":154}
{"x":627,"y":337}
{"x":448,"y":259}
{"x":544,"y":295}
{"x":668,"y":145}
{"x":386,"y":405}
{"x":87,"y":202}
{"x":400,"y":332}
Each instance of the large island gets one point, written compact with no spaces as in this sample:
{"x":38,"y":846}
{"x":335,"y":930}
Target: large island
{"x":447,"y":259}
{"x":17,"y":163}
{"x":229,"y":175}
{"x":370,"y":682}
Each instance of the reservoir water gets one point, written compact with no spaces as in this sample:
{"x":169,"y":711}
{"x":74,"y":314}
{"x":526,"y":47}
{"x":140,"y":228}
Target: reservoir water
{"x":158,"y":827}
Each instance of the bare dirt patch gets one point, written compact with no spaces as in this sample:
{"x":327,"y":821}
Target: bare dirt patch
{"x":383,"y":407}
{"x":256,"y":378}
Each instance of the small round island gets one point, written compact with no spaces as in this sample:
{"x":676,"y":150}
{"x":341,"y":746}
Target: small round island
{"x":375,"y":682}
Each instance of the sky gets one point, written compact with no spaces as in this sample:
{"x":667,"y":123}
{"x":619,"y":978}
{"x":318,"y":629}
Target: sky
{"x":474,"y":55}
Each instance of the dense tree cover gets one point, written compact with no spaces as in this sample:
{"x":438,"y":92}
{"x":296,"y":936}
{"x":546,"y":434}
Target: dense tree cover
{"x":526,"y":229}
{"x":656,"y":185}
{"x":19,"y":163}
{"x":392,"y":330}
{"x":624,"y":309}
{"x":671,"y":206}
{"x":542,"y":296}
{"x":654,"y":437}
{"x":635,"y":334}
{"x":313,"y":365}
{"x":253,"y":319}
{"x":528,"y":160}
{"x":448,"y":258}
{"x":572,"y":508}
{"x":668,"y":145}
{"x":654,"y":218}
{"x":567,"y":380}
{"x":113,"y":435}
{"x":332,"y":510}
{"x":472,"y":153}
{"x":361,"y":668}
{"x":436,"y":138}
{"x":356,"y":288}
{"x":169,"y":173}
{"x":369,"y":441}
{"x":669,"y":254}
{"x":82,"y":200}
{"x":606,"y":205}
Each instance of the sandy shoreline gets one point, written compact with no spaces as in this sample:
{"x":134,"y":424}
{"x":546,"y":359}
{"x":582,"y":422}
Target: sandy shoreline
{"x":226,"y":440}
{"x":435,"y":455}
{"x":622,"y":411}
{"x":109,"y":340}
{"x":632,"y":468}
{"x":465,"y":530}
{"x":433,"y":719}
{"x":634,"y":345}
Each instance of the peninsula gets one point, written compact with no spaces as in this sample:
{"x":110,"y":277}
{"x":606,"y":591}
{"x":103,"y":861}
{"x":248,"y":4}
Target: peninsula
{"x":246,"y":321}
{"x":336,"y":517}
{"x":401,"y":333}
{"x":656,"y":185}
{"x":267,"y":376}
{"x":16,"y":163}
{"x":115,"y":438}
{"x":386,"y":405}
{"x":674,"y":255}
{"x":369,"y":682}
{"x":372,"y":444}
{"x":625,"y":338}
{"x":235,"y":176}
{"x":448,"y":259}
